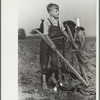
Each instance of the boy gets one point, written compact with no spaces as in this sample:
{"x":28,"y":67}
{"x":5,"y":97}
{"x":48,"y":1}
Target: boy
{"x":53,"y":28}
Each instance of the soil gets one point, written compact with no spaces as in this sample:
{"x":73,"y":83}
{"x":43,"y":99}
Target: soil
{"x":29,"y":73}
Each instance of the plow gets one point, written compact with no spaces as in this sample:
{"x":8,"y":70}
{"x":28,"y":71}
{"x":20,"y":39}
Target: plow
{"x":77,"y":43}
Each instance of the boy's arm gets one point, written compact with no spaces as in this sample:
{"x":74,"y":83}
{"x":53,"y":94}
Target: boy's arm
{"x":51,"y":42}
{"x":63,"y":30}
{"x":66,"y":34}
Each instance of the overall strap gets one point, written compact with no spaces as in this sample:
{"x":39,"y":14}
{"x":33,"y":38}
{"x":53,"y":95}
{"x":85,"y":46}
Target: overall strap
{"x":58,"y":23}
{"x":50,"y":21}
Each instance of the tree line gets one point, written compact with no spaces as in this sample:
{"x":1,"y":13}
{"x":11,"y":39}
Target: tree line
{"x":22,"y":35}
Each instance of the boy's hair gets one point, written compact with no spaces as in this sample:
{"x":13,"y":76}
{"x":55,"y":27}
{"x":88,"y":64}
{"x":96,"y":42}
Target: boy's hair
{"x":52,"y":6}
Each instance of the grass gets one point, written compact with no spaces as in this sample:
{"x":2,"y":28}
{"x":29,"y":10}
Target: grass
{"x":29,"y":71}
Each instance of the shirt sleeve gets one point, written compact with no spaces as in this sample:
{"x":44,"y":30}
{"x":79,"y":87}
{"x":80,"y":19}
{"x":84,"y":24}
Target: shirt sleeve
{"x":61,"y":26}
{"x":45,"y":27}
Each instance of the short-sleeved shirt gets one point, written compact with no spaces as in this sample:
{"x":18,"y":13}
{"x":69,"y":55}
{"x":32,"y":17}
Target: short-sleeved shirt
{"x":47,"y":25}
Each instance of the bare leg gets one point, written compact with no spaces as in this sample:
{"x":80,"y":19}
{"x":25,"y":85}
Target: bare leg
{"x":53,"y":78}
{"x":44,"y":82}
{"x":54,"y":81}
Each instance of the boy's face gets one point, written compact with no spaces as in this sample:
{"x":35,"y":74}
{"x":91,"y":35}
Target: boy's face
{"x":55,"y":13}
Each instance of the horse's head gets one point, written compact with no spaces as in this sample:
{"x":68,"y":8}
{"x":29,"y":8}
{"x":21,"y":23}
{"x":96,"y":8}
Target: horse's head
{"x":71,"y":25}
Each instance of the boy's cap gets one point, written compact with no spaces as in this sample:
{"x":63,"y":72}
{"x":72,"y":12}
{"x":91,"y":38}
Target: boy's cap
{"x":52,"y":6}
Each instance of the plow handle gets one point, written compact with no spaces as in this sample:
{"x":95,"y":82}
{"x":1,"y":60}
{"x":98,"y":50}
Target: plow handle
{"x":80,"y":57}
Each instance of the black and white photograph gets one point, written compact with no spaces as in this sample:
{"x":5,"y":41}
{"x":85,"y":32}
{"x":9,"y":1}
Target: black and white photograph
{"x":57,"y":50}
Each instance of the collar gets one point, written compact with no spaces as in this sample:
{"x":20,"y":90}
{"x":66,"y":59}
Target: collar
{"x":53,"y":19}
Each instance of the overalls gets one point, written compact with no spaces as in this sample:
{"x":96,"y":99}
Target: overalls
{"x":45,"y":51}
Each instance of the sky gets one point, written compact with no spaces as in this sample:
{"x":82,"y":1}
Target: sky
{"x":30,"y":13}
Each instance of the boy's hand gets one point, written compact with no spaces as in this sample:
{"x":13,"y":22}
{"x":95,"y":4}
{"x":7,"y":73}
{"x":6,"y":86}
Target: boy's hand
{"x":66,"y":35}
{"x":53,"y":47}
